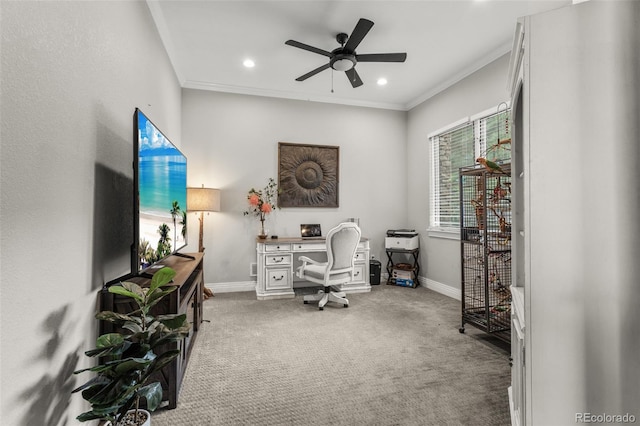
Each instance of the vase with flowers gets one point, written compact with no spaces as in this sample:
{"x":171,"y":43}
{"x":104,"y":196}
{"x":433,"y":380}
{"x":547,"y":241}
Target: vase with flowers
{"x":262,"y":202}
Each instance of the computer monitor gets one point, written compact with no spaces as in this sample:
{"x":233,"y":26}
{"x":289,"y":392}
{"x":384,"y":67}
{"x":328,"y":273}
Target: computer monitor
{"x":310,"y":230}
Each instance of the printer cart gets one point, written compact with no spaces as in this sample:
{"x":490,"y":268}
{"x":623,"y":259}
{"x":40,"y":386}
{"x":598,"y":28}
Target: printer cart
{"x":403,"y":254}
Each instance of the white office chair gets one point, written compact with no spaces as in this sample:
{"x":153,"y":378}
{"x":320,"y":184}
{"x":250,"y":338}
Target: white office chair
{"x":342,"y":242}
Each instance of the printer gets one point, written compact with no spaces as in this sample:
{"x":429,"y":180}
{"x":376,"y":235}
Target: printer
{"x":402,"y":239}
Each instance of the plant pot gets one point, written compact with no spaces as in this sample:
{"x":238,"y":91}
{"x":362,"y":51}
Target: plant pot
{"x":129,"y":419}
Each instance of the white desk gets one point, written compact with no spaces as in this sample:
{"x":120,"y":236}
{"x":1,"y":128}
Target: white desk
{"x":278,"y":259}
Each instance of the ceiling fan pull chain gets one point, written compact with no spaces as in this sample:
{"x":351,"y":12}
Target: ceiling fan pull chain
{"x":331,"y":81}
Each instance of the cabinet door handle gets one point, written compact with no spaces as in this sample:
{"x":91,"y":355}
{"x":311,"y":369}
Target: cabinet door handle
{"x":278,"y":279}
{"x":356,"y":274}
{"x":278,"y":260}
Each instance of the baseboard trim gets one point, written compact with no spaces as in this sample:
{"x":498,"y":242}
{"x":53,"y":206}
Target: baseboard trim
{"x":447,"y":290}
{"x":231,"y":287}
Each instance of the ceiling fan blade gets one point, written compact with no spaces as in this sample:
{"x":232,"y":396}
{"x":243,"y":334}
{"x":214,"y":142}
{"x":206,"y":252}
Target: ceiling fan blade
{"x":354,"y":78}
{"x":309,"y":48}
{"x":382,"y":57}
{"x":312,"y":73}
{"x":362,"y":28}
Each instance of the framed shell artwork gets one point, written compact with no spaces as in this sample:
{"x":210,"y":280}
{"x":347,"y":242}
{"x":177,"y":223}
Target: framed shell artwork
{"x":308,"y":175}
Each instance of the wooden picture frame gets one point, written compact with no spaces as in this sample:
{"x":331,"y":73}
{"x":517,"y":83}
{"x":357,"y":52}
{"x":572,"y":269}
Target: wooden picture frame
{"x":308,"y":175}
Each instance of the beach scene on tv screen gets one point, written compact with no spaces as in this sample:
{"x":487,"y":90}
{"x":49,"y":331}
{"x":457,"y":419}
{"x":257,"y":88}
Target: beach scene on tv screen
{"x":162,"y":184}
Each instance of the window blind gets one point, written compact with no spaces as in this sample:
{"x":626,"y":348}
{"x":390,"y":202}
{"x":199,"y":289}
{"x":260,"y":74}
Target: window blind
{"x":451,"y":150}
{"x":459,"y":147}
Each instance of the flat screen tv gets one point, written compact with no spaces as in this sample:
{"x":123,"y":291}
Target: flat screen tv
{"x":160,"y":195}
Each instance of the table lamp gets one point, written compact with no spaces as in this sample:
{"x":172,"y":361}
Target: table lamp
{"x":203,"y":200}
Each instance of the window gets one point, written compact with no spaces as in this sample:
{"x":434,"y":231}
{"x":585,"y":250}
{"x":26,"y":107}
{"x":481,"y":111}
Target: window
{"x":457,"y":146}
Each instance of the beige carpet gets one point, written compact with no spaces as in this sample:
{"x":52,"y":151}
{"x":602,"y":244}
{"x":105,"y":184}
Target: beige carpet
{"x":394,"y":357}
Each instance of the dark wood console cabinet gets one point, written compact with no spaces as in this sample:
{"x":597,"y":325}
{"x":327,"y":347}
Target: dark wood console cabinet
{"x":187,"y":299}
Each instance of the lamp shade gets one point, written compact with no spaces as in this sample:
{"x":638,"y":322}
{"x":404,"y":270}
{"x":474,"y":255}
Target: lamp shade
{"x":203,"y":200}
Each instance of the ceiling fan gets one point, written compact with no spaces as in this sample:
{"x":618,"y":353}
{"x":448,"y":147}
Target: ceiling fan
{"x":345,"y":58}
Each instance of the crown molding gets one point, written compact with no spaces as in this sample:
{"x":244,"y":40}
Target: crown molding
{"x":215,"y":87}
{"x":466,"y":72}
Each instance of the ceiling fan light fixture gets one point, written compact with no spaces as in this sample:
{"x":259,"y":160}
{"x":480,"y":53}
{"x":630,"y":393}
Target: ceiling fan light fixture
{"x":343,"y":62}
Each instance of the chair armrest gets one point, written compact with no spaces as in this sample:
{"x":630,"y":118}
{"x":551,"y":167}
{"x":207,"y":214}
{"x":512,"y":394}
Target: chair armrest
{"x":305,"y":259}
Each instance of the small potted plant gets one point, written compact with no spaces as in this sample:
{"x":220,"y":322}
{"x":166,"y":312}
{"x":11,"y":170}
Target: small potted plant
{"x":129,"y":358}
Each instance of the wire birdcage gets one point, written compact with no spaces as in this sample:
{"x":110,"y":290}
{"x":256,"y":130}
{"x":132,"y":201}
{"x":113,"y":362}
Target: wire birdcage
{"x":485,"y":237}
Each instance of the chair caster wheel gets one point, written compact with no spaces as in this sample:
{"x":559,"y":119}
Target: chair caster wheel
{"x":321,"y":309}
{"x":461,"y":329}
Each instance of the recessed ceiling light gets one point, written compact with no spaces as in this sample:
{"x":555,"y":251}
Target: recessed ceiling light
{"x":249,"y":63}
{"x":382,"y":81}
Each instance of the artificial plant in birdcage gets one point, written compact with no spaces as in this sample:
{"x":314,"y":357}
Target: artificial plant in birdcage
{"x":499,"y":151}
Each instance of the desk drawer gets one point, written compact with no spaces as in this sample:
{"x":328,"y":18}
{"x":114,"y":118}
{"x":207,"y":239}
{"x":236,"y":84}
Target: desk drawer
{"x":278,"y":278}
{"x":277,"y":247}
{"x":277,"y":259}
{"x":360,"y":256}
{"x":358,"y":273}
{"x":310,"y":247}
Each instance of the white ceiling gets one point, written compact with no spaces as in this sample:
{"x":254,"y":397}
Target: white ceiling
{"x":445,"y":41}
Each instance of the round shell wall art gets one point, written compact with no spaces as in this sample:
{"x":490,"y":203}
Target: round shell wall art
{"x":308,"y":175}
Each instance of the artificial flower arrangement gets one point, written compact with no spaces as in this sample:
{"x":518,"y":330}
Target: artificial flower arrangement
{"x":262,"y":202}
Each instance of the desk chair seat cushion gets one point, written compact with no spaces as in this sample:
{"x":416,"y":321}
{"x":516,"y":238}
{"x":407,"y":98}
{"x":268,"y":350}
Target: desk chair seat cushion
{"x":318,"y":272}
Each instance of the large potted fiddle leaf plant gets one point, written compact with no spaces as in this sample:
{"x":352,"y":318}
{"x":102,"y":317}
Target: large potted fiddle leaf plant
{"x":129,"y":357}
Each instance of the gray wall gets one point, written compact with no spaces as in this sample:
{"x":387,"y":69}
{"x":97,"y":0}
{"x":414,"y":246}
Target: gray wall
{"x":483,"y":90}
{"x":231,"y":142}
{"x":72,"y":75}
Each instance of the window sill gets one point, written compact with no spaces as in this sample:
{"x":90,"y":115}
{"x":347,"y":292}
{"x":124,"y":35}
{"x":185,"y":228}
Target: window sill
{"x":448,"y":234}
